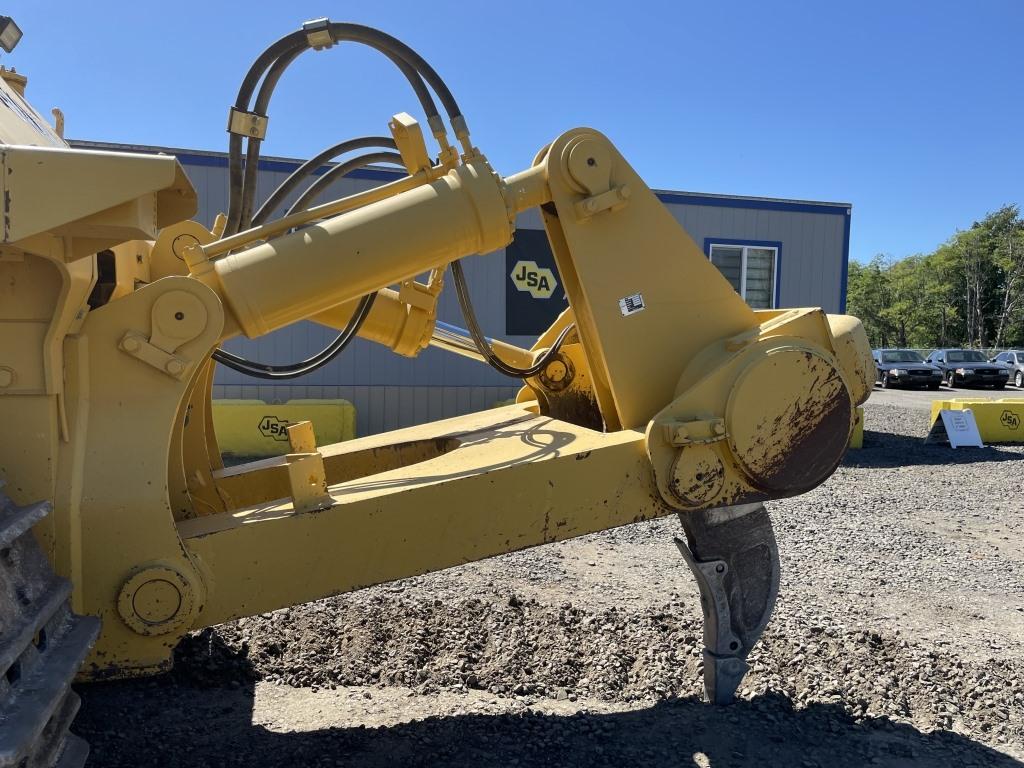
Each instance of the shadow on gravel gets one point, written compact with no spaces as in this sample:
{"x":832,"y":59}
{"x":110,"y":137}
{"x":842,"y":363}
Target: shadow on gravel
{"x":882,"y":449}
{"x":202,"y":715}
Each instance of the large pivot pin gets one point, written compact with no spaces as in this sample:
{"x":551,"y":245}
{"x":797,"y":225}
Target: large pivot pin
{"x":732,"y":554}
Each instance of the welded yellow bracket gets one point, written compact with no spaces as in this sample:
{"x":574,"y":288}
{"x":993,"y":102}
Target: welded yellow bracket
{"x":306,"y":476}
{"x":409,"y":139}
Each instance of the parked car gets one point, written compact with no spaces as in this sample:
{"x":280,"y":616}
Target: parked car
{"x":969,"y":367}
{"x":904,"y":368}
{"x":1014,"y":358}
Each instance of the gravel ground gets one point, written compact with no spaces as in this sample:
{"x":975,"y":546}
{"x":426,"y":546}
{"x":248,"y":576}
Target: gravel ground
{"x":897,"y":641}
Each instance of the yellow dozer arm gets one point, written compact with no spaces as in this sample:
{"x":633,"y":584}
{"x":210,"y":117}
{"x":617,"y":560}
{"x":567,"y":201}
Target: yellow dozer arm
{"x":659,"y":391}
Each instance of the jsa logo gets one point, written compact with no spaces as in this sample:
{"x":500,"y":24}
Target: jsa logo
{"x":539,"y":282}
{"x":273,"y":427}
{"x":1009,"y":419}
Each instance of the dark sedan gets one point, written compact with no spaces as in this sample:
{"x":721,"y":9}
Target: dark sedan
{"x":904,"y":368}
{"x":969,"y":367}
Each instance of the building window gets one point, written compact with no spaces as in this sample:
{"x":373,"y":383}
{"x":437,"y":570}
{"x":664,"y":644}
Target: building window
{"x":750,"y":269}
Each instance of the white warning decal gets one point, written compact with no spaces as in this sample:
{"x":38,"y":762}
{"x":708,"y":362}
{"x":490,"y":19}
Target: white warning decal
{"x":632,"y":304}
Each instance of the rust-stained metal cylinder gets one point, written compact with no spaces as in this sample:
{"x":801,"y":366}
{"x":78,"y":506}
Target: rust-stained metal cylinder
{"x":790,"y":441}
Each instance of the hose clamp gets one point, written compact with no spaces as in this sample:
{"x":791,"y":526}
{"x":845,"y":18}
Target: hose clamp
{"x":247,"y":124}
{"x":318,"y":33}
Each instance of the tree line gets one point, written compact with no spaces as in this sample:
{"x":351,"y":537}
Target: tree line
{"x":968,"y":292}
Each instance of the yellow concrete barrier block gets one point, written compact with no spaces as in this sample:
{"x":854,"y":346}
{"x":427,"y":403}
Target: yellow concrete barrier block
{"x":857,"y":436}
{"x":999,"y":421}
{"x":254,"y":428}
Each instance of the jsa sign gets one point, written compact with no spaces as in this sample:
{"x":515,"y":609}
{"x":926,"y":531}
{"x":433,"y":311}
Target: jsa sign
{"x":534,"y":296}
{"x":530,"y":278}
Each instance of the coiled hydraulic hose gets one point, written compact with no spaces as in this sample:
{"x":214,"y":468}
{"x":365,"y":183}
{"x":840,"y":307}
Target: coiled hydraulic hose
{"x":269,"y":67}
{"x":309,"y":167}
{"x":248,"y":195}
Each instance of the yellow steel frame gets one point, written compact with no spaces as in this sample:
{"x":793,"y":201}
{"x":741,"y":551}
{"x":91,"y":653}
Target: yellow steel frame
{"x":681,"y":399}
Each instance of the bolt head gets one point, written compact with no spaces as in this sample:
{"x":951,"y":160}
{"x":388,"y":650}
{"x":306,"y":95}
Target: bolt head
{"x":130,"y":344}
{"x":174,"y":367}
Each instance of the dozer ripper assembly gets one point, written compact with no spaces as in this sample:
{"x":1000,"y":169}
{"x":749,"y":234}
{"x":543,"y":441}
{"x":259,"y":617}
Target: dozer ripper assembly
{"x":659,"y":391}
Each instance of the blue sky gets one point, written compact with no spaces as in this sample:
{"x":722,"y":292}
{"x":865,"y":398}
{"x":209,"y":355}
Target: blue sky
{"x":910,"y":111}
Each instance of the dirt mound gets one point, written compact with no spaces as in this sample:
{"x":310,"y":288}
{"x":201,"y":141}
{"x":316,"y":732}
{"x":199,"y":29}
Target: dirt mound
{"x":524,"y":648}
{"x":514,"y":646}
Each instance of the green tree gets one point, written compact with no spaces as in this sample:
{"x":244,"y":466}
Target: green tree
{"x":868,"y":296}
{"x":1005,"y":239}
{"x":969,"y":291}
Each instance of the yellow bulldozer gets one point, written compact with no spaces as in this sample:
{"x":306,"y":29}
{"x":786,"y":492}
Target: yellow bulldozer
{"x":659,"y":391}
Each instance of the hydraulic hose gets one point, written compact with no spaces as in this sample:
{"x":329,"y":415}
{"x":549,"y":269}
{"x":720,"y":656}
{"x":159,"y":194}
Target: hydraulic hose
{"x":249,"y":185}
{"x":320,"y":359}
{"x":338,"y":172}
{"x":293,"y":44}
{"x":310,"y":166}
{"x":397,"y":49}
{"x":271,"y":65}
{"x":252,"y":154}
{"x":480,"y":338}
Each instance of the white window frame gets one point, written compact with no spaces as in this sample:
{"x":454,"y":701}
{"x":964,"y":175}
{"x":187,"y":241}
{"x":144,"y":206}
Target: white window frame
{"x":743,"y":265}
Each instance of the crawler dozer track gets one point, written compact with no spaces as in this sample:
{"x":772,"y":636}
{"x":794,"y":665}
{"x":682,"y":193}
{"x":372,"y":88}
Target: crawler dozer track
{"x":42,"y":645}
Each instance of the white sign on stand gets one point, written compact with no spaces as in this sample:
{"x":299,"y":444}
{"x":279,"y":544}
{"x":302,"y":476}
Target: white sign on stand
{"x":959,"y":427}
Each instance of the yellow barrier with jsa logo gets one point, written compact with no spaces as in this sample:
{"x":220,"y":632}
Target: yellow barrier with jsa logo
{"x":254,"y":428}
{"x":999,"y":421}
